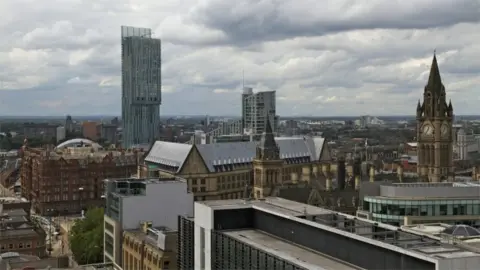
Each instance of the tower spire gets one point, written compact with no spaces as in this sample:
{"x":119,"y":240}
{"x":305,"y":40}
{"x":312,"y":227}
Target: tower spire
{"x":268,"y":148}
{"x":434,"y":79}
{"x":268,"y":136}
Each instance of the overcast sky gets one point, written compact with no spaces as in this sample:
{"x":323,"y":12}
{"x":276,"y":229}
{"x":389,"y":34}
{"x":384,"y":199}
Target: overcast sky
{"x":339,"y":57}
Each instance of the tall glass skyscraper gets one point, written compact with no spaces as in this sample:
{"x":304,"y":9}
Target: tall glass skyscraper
{"x":141,"y":86}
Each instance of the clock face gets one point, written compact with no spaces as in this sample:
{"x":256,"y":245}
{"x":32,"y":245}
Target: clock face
{"x":444,"y":129}
{"x":427,"y":129}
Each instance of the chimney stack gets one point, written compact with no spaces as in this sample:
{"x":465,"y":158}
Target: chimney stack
{"x":400,"y":173}
{"x":372,"y":173}
{"x":326,"y":172}
{"x":341,"y":173}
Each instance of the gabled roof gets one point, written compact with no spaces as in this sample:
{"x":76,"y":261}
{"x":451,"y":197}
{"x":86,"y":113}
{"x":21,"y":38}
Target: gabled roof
{"x":229,"y":153}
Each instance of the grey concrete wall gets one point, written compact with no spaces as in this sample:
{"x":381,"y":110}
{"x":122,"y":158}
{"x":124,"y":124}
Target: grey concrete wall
{"x":162,"y":205}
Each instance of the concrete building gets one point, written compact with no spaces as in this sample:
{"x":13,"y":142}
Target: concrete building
{"x":131,"y":202}
{"x":69,"y":124}
{"x":90,"y":130}
{"x":434,"y":130}
{"x":40,"y":130}
{"x":108,"y":132}
{"x":68,"y":178}
{"x":61,"y":133}
{"x":279,"y":234}
{"x":418,"y":203}
{"x":150,"y":247}
{"x":141,"y":86}
{"x":256,"y":108}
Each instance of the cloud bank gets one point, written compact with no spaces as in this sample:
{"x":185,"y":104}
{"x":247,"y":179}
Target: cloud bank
{"x":343,"y":57}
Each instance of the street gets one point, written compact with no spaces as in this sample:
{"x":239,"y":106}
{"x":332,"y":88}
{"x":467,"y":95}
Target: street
{"x":54,"y":226}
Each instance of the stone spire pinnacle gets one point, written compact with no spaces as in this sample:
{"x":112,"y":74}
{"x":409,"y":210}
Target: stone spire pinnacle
{"x":434,"y":79}
{"x":268,"y":138}
{"x":268,"y":149}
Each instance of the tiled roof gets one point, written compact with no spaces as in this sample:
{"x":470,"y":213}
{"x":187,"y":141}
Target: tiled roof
{"x":168,"y":153}
{"x":229,"y":153}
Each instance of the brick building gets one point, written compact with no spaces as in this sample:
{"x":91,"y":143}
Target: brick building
{"x":70,"y":177}
{"x":17,"y":232}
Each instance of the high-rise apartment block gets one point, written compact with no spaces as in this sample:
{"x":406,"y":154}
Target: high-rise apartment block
{"x":141,"y":86}
{"x":256,"y":108}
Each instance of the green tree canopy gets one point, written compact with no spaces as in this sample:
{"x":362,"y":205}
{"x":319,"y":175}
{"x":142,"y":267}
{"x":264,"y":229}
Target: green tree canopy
{"x":86,"y":238}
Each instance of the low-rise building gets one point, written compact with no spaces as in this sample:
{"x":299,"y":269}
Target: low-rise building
{"x":132,"y":202}
{"x":19,"y":234}
{"x":418,"y":203}
{"x":150,"y":247}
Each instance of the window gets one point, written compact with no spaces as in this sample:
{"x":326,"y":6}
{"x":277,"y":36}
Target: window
{"x":202,"y":248}
{"x":202,"y":181}
{"x":20,"y":245}
{"x":166,"y":264}
{"x":10,"y":246}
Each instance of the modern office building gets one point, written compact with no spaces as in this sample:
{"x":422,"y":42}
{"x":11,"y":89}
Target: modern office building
{"x":418,"y":203}
{"x":279,"y":234}
{"x":131,"y":202}
{"x":141,"y":86}
{"x":256,"y":108}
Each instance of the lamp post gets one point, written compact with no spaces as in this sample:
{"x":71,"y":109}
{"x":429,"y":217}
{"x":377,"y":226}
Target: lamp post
{"x":49,"y":247}
{"x":104,"y":202}
{"x":80,"y":196}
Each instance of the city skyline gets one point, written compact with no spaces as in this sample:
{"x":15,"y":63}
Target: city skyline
{"x":360,"y":60}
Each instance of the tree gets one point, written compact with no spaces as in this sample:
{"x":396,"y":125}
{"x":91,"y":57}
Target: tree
{"x":86,"y":237}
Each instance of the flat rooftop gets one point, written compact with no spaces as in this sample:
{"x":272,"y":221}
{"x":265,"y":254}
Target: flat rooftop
{"x":371,"y":232}
{"x":277,"y":247}
{"x":149,"y":238}
{"x":275,"y":204}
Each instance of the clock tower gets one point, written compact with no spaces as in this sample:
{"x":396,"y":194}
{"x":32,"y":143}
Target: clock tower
{"x":434,"y":130}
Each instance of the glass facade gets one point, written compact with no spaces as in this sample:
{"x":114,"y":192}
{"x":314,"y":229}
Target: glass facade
{"x":394,"y":211}
{"x":141,"y":86}
{"x":185,"y":244}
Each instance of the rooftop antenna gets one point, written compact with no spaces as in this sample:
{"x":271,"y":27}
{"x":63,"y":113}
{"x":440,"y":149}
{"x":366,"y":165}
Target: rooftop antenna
{"x":243,"y":78}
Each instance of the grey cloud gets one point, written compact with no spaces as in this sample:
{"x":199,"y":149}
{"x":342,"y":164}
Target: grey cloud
{"x":293,"y":48}
{"x":253,"y":21}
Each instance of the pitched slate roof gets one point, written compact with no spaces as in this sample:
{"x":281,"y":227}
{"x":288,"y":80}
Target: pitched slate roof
{"x":229,"y":153}
{"x":168,"y":153}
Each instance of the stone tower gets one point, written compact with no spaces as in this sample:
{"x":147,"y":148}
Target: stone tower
{"x":434,"y":130}
{"x":267,"y":164}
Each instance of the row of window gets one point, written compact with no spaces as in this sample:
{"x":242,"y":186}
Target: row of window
{"x":439,"y":209}
{"x":16,"y":245}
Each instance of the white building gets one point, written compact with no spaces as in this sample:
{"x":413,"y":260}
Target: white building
{"x":61,"y":133}
{"x":132,"y":201}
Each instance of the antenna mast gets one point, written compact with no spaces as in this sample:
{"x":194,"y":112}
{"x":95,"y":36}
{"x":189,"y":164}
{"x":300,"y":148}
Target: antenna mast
{"x":243,"y":78}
